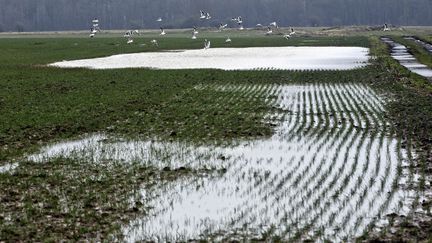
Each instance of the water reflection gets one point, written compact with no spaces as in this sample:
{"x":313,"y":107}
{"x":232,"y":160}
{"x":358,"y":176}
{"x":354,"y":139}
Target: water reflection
{"x":328,"y":172}
{"x":282,"y":58}
{"x":406,"y":59}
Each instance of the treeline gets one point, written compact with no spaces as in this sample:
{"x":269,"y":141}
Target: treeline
{"x":45,"y":15}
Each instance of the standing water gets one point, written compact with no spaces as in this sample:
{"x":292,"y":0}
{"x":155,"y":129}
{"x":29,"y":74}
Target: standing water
{"x":329,"y":171}
{"x":406,"y":59}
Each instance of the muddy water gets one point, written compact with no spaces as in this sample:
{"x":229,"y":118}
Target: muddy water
{"x":283,"y":58}
{"x":406,"y":59}
{"x":327,"y":173}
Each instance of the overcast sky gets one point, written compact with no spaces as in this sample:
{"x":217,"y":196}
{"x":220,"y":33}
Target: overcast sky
{"x":45,"y":15}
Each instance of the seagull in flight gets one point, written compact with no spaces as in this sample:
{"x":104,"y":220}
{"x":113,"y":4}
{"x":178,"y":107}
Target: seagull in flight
{"x":228,"y":40}
{"x":292,"y":32}
{"x":129,"y":35}
{"x":206,"y":44}
{"x":193,"y":36}
{"x":274,"y":24}
{"x":269,"y":30}
{"x":159,"y":19}
{"x":162,"y":31}
{"x":154,"y":42}
{"x":204,"y":15}
{"x":386,"y":28}
{"x":195,"y":30}
{"x":222,"y":26}
{"x":95,"y":28}
{"x":238,"y":19}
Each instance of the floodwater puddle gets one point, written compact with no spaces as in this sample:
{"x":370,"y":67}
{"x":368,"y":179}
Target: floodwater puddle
{"x":8,"y":168}
{"x":424,"y":44}
{"x":405,"y":58}
{"x":327,"y":173}
{"x":252,"y":58}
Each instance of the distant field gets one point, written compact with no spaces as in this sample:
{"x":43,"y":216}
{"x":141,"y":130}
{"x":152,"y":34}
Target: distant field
{"x":322,"y":148}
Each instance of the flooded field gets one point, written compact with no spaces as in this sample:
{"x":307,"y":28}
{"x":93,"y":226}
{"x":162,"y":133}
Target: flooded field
{"x":332,"y":168}
{"x":425,"y":45}
{"x":406,"y":59}
{"x":281,"y":58}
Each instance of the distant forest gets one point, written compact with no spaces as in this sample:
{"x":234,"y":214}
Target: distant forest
{"x":52,"y":15}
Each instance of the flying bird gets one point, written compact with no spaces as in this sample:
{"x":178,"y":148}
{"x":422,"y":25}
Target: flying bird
{"x":154,"y":42}
{"x":208,"y":16}
{"x":159,"y":19}
{"x":195,"y":30}
{"x":204,"y":15}
{"x":274,"y":24}
{"x":95,"y":27}
{"x":269,"y":30}
{"x":238,"y":19}
{"x":222,"y":26}
{"x":228,"y":40}
{"x":206,"y":44}
{"x":292,"y":32}
{"x":162,"y":31}
{"x":129,"y":35}
{"x":386,"y":28}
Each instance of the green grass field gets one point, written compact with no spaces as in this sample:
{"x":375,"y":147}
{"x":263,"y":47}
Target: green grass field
{"x":40,"y":105}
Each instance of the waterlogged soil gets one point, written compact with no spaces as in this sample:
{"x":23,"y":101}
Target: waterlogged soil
{"x":422,"y":43}
{"x":334,"y":160}
{"x":281,"y":58}
{"x":406,"y":59}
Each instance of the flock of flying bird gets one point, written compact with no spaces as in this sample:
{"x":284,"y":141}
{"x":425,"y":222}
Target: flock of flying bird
{"x":203,"y":16}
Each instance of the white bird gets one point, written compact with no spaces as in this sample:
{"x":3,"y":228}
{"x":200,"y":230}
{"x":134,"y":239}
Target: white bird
{"x":386,"y":28}
{"x":274,"y":24}
{"x":128,"y":34}
{"x":193,"y":36}
{"x":259,"y":25}
{"x":95,"y":27}
{"x":203,"y":14}
{"x":292,"y":32}
{"x":154,"y":42}
{"x":228,"y":40}
{"x":208,"y":16}
{"x":195,"y":30}
{"x":241,"y":27}
{"x":162,"y":31}
{"x":206,"y":44}
{"x":222,"y":26}
{"x":159,"y":19}
{"x":269,"y":30}
{"x":238,"y":19}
